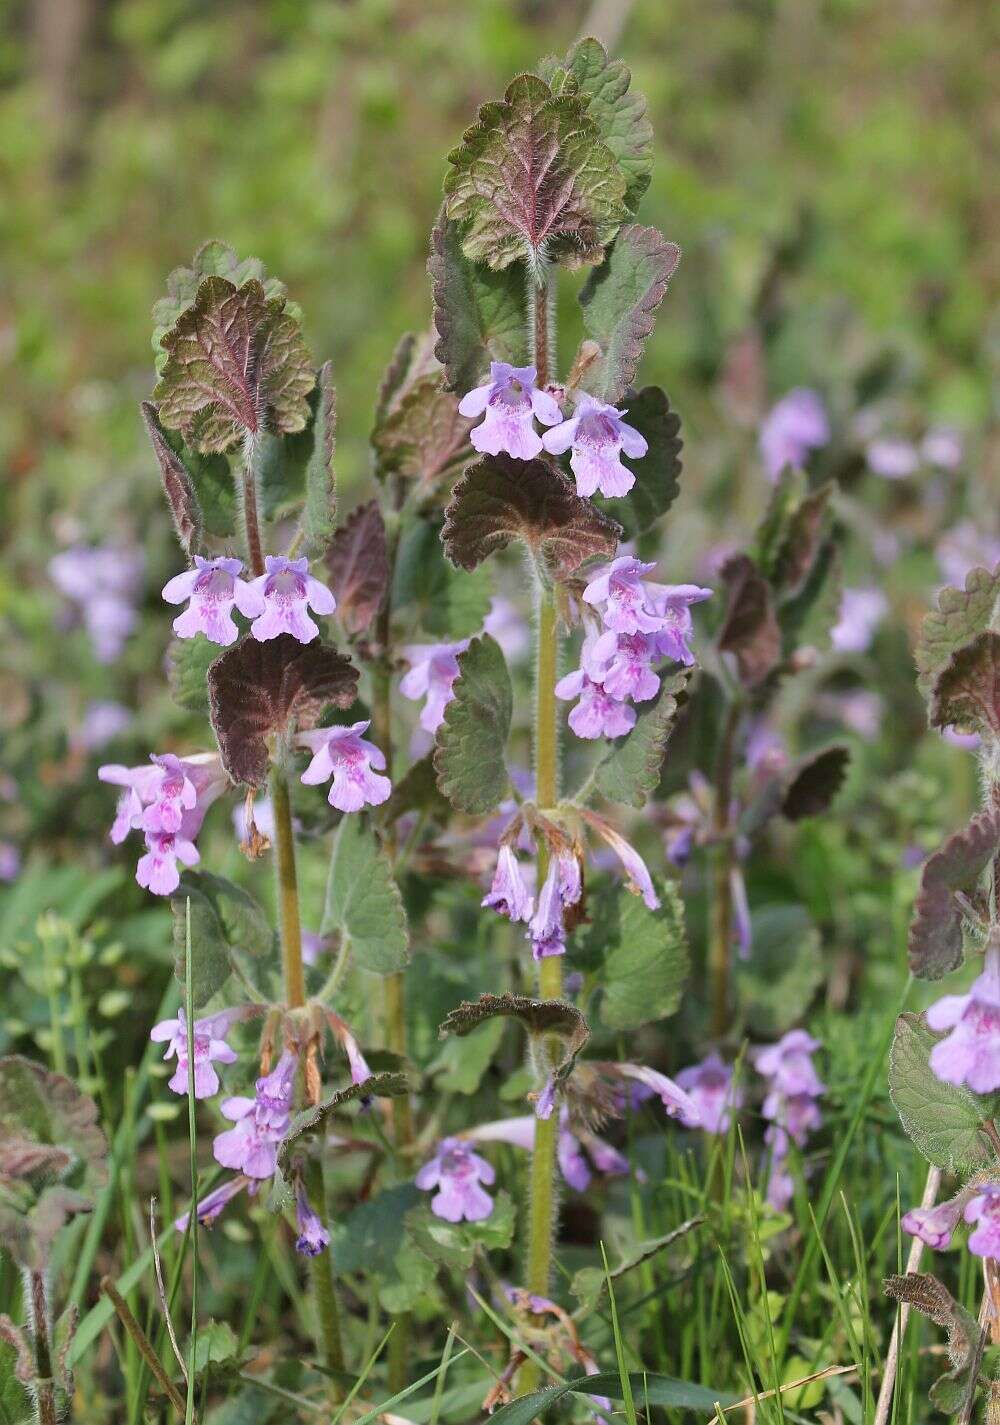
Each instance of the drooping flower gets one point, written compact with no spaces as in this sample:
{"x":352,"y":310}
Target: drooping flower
{"x":509,"y":402}
{"x":790,"y":1105}
{"x":210,"y":1047}
{"x":935,"y":1225}
{"x":102,"y":582}
{"x":258,"y":823}
{"x":893,"y":458}
{"x":638,"y":879}
{"x":597,"y":433}
{"x":596,"y":714}
{"x":212,"y":1203}
{"x":563,"y":886}
{"x":794,"y":426}
{"x":970,"y":1054}
{"x":580,"y":1153}
{"x":211,"y":589}
{"x":984,"y":1211}
{"x":343,"y":754}
{"x":457,"y":1172}
{"x":313,"y":1237}
{"x":433,"y":670}
{"x":251,"y":1147}
{"x":360,"y":1072}
{"x":711,"y":1087}
{"x":861,"y":612}
{"x":285,"y":592}
{"x":675,"y":1100}
{"x":509,"y":894}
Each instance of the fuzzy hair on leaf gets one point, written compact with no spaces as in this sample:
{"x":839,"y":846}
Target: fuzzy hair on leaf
{"x":935,"y":938}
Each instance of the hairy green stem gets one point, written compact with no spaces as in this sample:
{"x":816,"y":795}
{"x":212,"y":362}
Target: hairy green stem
{"x":324,"y":1289}
{"x":44,"y":1385}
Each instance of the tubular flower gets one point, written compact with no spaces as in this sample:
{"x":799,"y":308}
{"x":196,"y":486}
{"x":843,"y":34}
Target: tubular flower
{"x":509,"y":403}
{"x":597,"y":434}
{"x":284,"y":594}
{"x":970,"y":1054}
{"x":211,"y":589}
{"x":251,"y":1147}
{"x":210,"y":1047}
{"x":433,"y":670}
{"x":458,"y":1174}
{"x":343,"y":754}
{"x":794,"y":426}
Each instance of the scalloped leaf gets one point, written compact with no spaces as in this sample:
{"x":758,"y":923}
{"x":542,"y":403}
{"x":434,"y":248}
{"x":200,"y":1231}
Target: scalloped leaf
{"x":500,"y":499}
{"x":312,"y":1121}
{"x":954,"y":1391}
{"x":966,"y":693}
{"x":942,"y":1119}
{"x":935,"y":940}
{"x":815,"y":782}
{"x":539,"y":1017}
{"x":363,"y":900}
{"x":479,"y":315}
{"x":750,"y":629}
{"x":533,"y":179}
{"x":358,"y":564}
{"x":471,"y":742}
{"x":619,"y":302}
{"x":256,"y":690}
{"x":188,"y":662}
{"x":236,"y":365}
{"x":630,"y":772}
{"x":178,"y":485}
{"x":320,"y":508}
{"x":213,"y":259}
{"x":53,"y":1157}
{"x":457,"y":1244}
{"x":657,"y":474}
{"x":423,"y":438}
{"x":619,"y":112}
{"x":961,"y":614}
{"x":646,"y":960}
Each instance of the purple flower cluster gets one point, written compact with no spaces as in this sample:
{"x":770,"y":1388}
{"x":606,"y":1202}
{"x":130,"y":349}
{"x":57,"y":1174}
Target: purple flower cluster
{"x":562,"y":887}
{"x":642,"y":624}
{"x":277,"y":602}
{"x":794,"y":426}
{"x":894,"y":458}
{"x":978,"y":1204}
{"x":251,"y":1146}
{"x":102,"y":582}
{"x":712,"y":1089}
{"x":790,"y":1105}
{"x":167,"y":801}
{"x":343,"y":754}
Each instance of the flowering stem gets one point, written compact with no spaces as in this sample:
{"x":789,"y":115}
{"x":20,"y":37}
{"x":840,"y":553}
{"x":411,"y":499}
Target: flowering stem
{"x":721,"y":932}
{"x":288,"y":892}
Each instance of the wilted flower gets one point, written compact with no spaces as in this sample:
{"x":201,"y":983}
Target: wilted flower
{"x":893,"y":458}
{"x":580,"y":1153}
{"x":283,"y":593}
{"x":711,"y":1088}
{"x":457,"y":1172}
{"x":598,"y":433}
{"x":212,"y":1203}
{"x":970,"y":1054}
{"x":209,"y":1047}
{"x":313,"y":1237}
{"x":638,"y":879}
{"x":433,"y":670}
{"x":675,"y":1100}
{"x":251,"y":1147}
{"x":509,"y":894}
{"x":343,"y":754}
{"x":793,"y":427}
{"x":510,"y":401}
{"x":984,"y":1210}
{"x":861,"y":612}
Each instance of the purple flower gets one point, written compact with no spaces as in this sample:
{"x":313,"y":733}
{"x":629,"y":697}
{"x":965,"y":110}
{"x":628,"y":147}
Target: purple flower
{"x":580,"y":1152}
{"x":965,"y":547}
{"x":284,"y":592}
{"x":167,"y":800}
{"x":209,"y":1047}
{"x":638,"y":879}
{"x":598,"y":434}
{"x":892,"y":458}
{"x":509,"y":402}
{"x":861,"y":612}
{"x":942,"y":446}
{"x":788,"y":1063}
{"x":780,"y":1184}
{"x":674,"y":1099}
{"x":632,"y":606}
{"x":622,"y":663}
{"x":793,"y":427}
{"x":212,"y":587}
{"x":970,"y":1054}
{"x":711,"y":1088}
{"x":935,"y":1225}
{"x":506,"y":624}
{"x":563,"y":886}
{"x":596,"y":714}
{"x":10,"y":861}
{"x":313,"y":1237}
{"x":259,"y":820}
{"x":157,"y":871}
{"x":434,"y":668}
{"x":457,"y":1172}
{"x":360,"y":1072}
{"x":509,"y":894}
{"x":793,"y":1114}
{"x":212,"y":1204}
{"x":343,"y":754}
{"x":261,"y":1122}
{"x":103,"y":582}
{"x":984,"y":1210}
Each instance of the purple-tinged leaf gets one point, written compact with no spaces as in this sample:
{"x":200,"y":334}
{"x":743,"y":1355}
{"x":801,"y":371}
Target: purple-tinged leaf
{"x":499,"y":499}
{"x":966,"y":693}
{"x":534,"y":179}
{"x":358,"y":566}
{"x":423,"y":437}
{"x":236,"y":366}
{"x":953,"y":1393}
{"x":412,"y":359}
{"x":479,"y":315}
{"x":178,"y":485}
{"x":960,"y":615}
{"x":750,"y":629}
{"x":804,"y":533}
{"x":539,"y":1017}
{"x":935,"y":940}
{"x":257,"y":690}
{"x":815,"y":782}
{"x":619,"y":303}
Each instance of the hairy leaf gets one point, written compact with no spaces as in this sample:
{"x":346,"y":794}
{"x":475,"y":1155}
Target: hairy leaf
{"x":499,"y":499}
{"x":815,"y":782}
{"x":224,"y":918}
{"x":320,"y":510}
{"x":619,"y":112}
{"x":417,"y":790}
{"x":619,"y":301}
{"x":935,"y":939}
{"x":432,"y":595}
{"x":423,"y":437}
{"x":966,"y":692}
{"x":358,"y":565}
{"x":630,"y":770}
{"x":750,"y":629}
{"x":363,"y":900}
{"x":472,"y":740}
{"x":312,"y":1121}
{"x":961,"y":614}
{"x":53,"y":1157}
{"x":178,"y":485}
{"x":236,"y":365}
{"x":534,"y":178}
{"x":372,"y":1240}
{"x":784,"y":971}
{"x":412,"y":360}
{"x":188,"y":662}
{"x":807,"y":616}
{"x":646,"y":959}
{"x":479,"y":315}
{"x":539,"y":1017}
{"x":953,"y":1392}
{"x":213,"y":259}
{"x":657,"y":474}
{"x":942,"y":1119}
{"x":256,"y":690}
{"x":801,"y":539}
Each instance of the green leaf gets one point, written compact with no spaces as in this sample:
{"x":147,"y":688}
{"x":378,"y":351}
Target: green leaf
{"x":460,"y":1066}
{"x":224,"y":918}
{"x":645,"y":1385}
{"x":423,"y":437}
{"x":188,"y":662}
{"x":657,"y":474}
{"x":534,"y":178}
{"x":178,"y":484}
{"x":961,"y":614}
{"x":363,"y":900}
{"x":966,"y":693}
{"x":456,"y":1244}
{"x":213,"y":259}
{"x":236,"y":366}
{"x":434,"y":597}
{"x":645,"y":957}
{"x":619,"y":112}
{"x":619,"y":301}
{"x":540,"y":1017}
{"x":319,"y":514}
{"x":480,"y":315}
{"x":630,"y":770}
{"x":472,"y":740}
{"x":936,"y":945}
{"x":371,"y":1240}
{"x":417,"y":790}
{"x":942,"y":1119}
{"x":785,"y":969}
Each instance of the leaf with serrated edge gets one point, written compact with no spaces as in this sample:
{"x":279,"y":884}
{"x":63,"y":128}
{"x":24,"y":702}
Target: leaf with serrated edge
{"x":966,"y":692}
{"x":177,"y":484}
{"x":236,"y":365}
{"x":658,"y":472}
{"x":319,"y":513}
{"x":750,"y":629}
{"x":546,"y":1016}
{"x":954,"y":1391}
{"x":213,"y":259}
{"x":935,"y":939}
{"x":815,"y":782}
{"x":942,"y":1119}
{"x":499,"y":499}
{"x":314,"y":1120}
{"x":471,"y":742}
{"x":424,"y":436}
{"x":646,"y":966}
{"x":630,"y":771}
{"x":533,"y":177}
{"x":258,"y":689}
{"x":358,"y":565}
{"x":363,"y":900}
{"x":618,"y":110}
{"x":619,"y":302}
{"x":960,"y":615}
{"x":188,"y":662}
{"x":479,"y":315}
